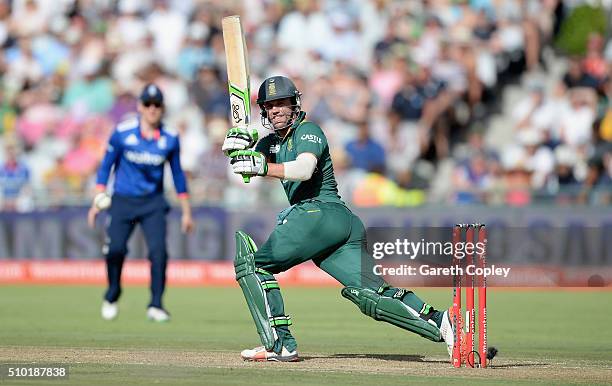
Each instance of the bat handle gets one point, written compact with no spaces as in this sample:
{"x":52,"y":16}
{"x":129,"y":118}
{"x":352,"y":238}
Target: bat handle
{"x":246,"y":179}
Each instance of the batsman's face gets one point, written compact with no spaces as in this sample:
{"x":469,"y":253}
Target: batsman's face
{"x":151,"y":112}
{"x":280,"y":112}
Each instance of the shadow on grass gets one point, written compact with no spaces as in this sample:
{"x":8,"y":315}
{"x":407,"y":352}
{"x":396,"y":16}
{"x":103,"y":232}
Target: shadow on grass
{"x":384,"y":357}
{"x":416,"y":358}
{"x":513,"y":365}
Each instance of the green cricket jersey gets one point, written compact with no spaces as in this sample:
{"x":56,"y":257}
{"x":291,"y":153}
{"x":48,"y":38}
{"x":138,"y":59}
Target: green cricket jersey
{"x":307,"y":137}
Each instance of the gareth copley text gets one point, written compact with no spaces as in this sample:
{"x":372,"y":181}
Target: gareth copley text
{"x":427,"y":270}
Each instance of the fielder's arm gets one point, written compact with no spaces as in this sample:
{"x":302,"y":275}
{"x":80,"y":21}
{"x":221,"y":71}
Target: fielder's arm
{"x":186,"y":218}
{"x":113,"y":149}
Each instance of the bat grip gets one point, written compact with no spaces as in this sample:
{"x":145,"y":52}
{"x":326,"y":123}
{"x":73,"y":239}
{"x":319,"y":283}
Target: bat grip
{"x":246,"y":179}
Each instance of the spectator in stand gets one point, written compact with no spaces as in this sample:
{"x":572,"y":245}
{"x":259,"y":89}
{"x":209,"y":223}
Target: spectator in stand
{"x":365,"y":153}
{"x":537,"y":159}
{"x":70,"y":62}
{"x":212,"y":174}
{"x":5,"y":23}
{"x":576,"y":118}
{"x":437,"y":101}
{"x":306,"y":28}
{"x":23,"y":69}
{"x":575,"y":77}
{"x":386,"y":80}
{"x":349,"y":96}
{"x":194,"y":54}
{"x":472,"y":179}
{"x":81,"y":160}
{"x":208,"y":92}
{"x":535,"y":111}
{"x":408,"y":102}
{"x":123,"y":107}
{"x":564,"y":184}
{"x":605,"y":127}
{"x":91,"y":94}
{"x":29,"y":18}
{"x":8,"y":116}
{"x":343,"y":41}
{"x":598,"y":183}
{"x":14,"y":180}
{"x":594,"y":64}
{"x":168,"y":28}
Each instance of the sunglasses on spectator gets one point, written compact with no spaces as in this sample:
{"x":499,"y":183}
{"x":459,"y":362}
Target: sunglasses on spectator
{"x":147,"y":104}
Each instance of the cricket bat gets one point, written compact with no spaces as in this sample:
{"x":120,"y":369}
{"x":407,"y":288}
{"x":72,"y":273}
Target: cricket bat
{"x":238,"y":77}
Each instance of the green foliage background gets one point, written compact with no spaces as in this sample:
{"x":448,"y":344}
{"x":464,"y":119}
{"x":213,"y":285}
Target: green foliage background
{"x":576,"y":28}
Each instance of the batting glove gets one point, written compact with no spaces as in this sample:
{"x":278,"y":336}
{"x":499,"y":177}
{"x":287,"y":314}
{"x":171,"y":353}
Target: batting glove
{"x":249,"y":163}
{"x":239,"y":138}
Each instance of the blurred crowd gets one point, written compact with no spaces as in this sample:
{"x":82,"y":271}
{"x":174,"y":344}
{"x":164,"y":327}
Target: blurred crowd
{"x":561,"y":150}
{"x":403,"y":89}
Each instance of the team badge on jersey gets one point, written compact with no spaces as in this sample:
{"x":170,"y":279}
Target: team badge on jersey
{"x":162,"y":143}
{"x":290,"y":144}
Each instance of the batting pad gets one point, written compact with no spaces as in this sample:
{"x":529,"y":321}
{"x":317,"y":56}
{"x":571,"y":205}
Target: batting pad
{"x":254,"y":288}
{"x":392,"y":311}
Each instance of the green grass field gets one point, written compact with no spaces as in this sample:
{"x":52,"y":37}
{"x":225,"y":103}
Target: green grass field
{"x":547,"y":337}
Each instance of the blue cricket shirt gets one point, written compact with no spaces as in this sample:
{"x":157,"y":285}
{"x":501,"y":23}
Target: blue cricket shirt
{"x":139,"y":162}
{"x":13,"y":177}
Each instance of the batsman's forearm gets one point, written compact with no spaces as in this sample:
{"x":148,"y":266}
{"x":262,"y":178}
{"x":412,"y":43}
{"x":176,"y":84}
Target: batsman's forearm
{"x":301,"y":169}
{"x":276,"y":171}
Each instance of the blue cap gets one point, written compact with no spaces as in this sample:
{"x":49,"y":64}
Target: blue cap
{"x":152,"y":94}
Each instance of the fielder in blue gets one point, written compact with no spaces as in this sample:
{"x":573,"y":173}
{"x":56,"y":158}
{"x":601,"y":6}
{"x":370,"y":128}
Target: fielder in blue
{"x":138,"y":150}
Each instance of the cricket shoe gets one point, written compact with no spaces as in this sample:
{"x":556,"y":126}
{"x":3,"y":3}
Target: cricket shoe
{"x":259,"y":354}
{"x":109,"y":310}
{"x":157,"y":314}
{"x":447,"y":331}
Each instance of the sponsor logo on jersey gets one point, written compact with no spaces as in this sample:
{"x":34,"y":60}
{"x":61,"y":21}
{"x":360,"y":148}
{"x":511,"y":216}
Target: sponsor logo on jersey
{"x":131,"y":140}
{"x":144,"y":158}
{"x":311,"y":138}
{"x":274,"y":149}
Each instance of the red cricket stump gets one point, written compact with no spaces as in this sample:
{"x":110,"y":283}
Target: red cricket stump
{"x":456,"y":299}
{"x":482,"y":300}
{"x":470,"y":313}
{"x":475,"y":258}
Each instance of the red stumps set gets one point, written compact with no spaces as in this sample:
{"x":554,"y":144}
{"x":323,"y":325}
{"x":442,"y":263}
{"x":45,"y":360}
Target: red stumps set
{"x":469,"y":254}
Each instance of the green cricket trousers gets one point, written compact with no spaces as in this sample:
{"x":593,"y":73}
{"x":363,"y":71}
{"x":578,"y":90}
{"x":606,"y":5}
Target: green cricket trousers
{"x":332,"y":237}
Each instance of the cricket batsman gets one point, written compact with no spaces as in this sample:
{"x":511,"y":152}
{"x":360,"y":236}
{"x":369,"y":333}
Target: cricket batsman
{"x":317,"y":226}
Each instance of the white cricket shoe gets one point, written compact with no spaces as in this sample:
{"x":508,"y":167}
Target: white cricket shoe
{"x":109,"y":310}
{"x":158,"y":314}
{"x":259,"y":354}
{"x":447,"y":331}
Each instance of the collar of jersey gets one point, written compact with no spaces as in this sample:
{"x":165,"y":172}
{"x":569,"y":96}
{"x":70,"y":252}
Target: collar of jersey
{"x":156,"y":133}
{"x":298,"y":121}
